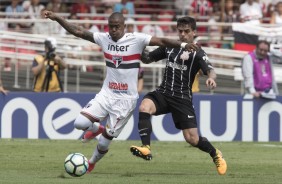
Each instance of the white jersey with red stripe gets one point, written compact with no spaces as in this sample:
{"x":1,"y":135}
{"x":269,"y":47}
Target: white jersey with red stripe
{"x":123,"y":62}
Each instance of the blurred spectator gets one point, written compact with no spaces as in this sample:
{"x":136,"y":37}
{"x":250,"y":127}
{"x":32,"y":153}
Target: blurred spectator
{"x":57,"y":6}
{"x":46,"y":69}
{"x":214,"y":32}
{"x":251,"y":12}
{"x":33,"y":8}
{"x":107,"y":11}
{"x":183,"y":7}
{"x":276,"y":17}
{"x":201,"y":9}
{"x":90,"y":27}
{"x":130,"y":26}
{"x":258,"y":72}
{"x":263,"y":7}
{"x":165,"y":16}
{"x":71,"y":51}
{"x":81,"y":7}
{"x":12,"y":11}
{"x":125,"y":4}
{"x":3,"y":25}
{"x":109,"y":2}
{"x":2,"y":90}
{"x":90,"y":47}
{"x":153,"y":29}
{"x":229,"y":15}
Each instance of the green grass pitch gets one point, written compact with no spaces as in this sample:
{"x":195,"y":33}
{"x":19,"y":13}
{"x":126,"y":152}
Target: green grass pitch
{"x":25,"y":161}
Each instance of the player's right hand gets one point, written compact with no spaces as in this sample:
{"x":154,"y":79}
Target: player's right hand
{"x":191,"y":47}
{"x":49,"y":14}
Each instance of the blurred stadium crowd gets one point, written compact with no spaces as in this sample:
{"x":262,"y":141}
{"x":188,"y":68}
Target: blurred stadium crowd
{"x":208,"y":13}
{"x":144,"y":10}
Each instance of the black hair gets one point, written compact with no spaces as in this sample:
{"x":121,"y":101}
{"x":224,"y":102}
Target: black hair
{"x":49,"y":45}
{"x":187,"y":21}
{"x":117,"y":15}
{"x":263,"y":41}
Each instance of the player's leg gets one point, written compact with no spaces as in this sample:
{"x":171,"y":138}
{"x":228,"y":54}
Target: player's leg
{"x":152,"y":104}
{"x":146,"y":109}
{"x":100,"y":150}
{"x":120,"y":112}
{"x":88,"y":122}
{"x":191,"y":136}
{"x":184,"y":118}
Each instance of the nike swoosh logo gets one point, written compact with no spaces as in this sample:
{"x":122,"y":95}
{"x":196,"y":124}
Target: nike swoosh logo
{"x":143,"y":129}
{"x":143,"y":134}
{"x":190,"y":116}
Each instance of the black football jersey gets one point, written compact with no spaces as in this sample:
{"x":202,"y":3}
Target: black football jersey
{"x":181,"y":69}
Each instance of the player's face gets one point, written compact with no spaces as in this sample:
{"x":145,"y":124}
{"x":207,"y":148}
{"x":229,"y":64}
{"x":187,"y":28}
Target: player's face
{"x":185,"y":33}
{"x":116,"y":28}
{"x":262,"y":50}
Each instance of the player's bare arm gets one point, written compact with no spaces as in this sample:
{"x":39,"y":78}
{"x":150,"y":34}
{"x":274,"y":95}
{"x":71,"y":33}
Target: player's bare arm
{"x":71,"y":28}
{"x":210,"y":82}
{"x":165,"y":42}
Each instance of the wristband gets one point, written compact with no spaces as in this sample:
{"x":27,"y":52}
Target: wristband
{"x":183,"y":44}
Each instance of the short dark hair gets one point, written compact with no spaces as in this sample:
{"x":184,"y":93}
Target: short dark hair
{"x":117,"y":15}
{"x":263,"y":41}
{"x":187,"y":20}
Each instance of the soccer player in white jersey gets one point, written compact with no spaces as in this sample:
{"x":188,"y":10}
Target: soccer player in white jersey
{"x":118,"y":96}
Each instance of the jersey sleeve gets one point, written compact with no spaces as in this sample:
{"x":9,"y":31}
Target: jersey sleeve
{"x":98,"y":37}
{"x":158,"y":54}
{"x":204,"y":62}
{"x":144,"y":38}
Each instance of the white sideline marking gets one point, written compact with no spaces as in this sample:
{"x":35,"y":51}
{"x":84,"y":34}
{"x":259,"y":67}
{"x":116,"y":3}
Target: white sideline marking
{"x":270,"y":145}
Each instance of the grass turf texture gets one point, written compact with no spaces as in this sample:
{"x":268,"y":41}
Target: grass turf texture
{"x":42,"y":161}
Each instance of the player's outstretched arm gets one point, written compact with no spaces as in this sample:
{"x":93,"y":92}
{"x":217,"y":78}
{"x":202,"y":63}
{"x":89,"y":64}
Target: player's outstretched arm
{"x":71,"y":28}
{"x":165,"y":42}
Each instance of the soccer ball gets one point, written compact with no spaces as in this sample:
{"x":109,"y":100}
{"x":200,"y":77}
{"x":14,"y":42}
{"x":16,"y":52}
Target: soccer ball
{"x":76,"y":164}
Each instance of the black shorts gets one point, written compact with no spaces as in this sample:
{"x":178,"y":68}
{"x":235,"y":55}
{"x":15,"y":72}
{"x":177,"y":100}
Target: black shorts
{"x":182,"y":110}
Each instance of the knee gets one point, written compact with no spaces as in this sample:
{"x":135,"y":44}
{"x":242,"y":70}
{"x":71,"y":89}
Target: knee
{"x":192,"y":140}
{"x":143,"y":108}
{"x":81,"y":122}
{"x":77,"y":125}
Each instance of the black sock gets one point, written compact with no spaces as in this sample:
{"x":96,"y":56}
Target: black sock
{"x":145,"y":128}
{"x":206,"y":146}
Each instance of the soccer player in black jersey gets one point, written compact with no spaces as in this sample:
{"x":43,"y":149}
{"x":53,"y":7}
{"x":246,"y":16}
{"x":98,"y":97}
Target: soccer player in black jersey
{"x":174,"y":95}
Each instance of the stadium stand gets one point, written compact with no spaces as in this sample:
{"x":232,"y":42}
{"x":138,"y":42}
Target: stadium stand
{"x":17,"y":50}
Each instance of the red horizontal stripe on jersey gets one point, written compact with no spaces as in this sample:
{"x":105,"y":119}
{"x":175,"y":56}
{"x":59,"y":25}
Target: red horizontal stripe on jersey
{"x":124,"y":58}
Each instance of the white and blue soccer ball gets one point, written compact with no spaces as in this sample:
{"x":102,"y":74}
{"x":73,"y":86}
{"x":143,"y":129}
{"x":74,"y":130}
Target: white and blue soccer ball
{"x":76,"y":164}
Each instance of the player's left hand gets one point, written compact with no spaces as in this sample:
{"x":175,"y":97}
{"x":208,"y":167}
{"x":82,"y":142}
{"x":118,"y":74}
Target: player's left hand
{"x":191,"y":47}
{"x":210,"y":83}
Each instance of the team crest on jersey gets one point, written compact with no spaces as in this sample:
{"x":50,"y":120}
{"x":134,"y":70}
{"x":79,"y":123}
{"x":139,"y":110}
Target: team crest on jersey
{"x":185,"y":55}
{"x":117,"y":60}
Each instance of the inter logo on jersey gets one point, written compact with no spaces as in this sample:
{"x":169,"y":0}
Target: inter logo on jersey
{"x":117,"y":60}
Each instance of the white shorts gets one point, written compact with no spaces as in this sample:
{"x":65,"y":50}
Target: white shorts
{"x":117,"y":112}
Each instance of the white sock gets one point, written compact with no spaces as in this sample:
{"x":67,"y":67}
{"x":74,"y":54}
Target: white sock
{"x":100,"y":150}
